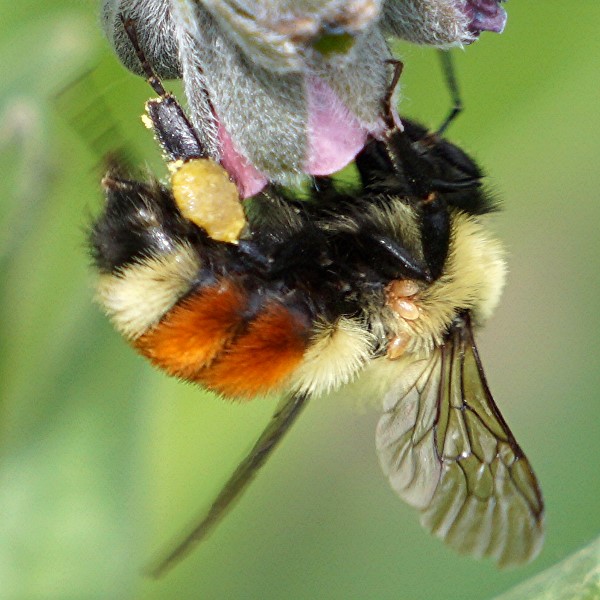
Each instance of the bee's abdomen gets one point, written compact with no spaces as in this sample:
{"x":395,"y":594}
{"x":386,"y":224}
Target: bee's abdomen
{"x":236,"y":339}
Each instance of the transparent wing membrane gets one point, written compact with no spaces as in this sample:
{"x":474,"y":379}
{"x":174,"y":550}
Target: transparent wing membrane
{"x":448,"y":452}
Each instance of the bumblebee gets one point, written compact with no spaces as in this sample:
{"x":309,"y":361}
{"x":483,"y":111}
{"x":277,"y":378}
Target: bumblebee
{"x":381,"y":285}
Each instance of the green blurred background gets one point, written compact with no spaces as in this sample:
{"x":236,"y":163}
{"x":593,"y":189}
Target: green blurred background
{"x":103,"y":460}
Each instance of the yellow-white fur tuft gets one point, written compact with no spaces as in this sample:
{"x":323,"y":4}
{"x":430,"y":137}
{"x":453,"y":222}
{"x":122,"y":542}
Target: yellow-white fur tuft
{"x":137,"y":296}
{"x":338,"y":351}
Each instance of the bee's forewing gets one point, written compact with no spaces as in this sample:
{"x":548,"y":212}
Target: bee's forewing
{"x":448,"y":452}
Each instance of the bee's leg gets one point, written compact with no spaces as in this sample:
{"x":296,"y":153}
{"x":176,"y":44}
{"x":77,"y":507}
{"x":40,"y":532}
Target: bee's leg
{"x":152,"y":78}
{"x":378,"y":158}
{"x":172,"y":128}
{"x":156,"y":28}
{"x":388,"y":106}
{"x":201,"y":187}
{"x":452,"y":83}
{"x":435,"y":233}
{"x":393,"y":161}
{"x":391,"y":258}
{"x":284,"y":417}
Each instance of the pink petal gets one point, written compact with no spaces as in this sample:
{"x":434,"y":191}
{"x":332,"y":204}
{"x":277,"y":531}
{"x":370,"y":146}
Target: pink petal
{"x":247,"y":177}
{"x":335,"y":135}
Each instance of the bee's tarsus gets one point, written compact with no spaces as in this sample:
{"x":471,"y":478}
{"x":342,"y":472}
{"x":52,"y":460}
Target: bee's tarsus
{"x":388,"y":108}
{"x":452,"y":84}
{"x":152,"y":78}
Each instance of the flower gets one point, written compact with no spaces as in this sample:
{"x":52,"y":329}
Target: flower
{"x":278,"y":88}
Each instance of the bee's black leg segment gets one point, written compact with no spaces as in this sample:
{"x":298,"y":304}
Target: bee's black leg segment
{"x":439,"y":185}
{"x":174,"y":131}
{"x":394,"y":153}
{"x":435,"y":233}
{"x":152,"y":77}
{"x":452,"y":83}
{"x":284,"y":417}
{"x":387,"y":252}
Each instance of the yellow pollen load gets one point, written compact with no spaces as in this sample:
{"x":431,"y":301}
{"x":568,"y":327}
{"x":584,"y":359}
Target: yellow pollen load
{"x":206,"y":196}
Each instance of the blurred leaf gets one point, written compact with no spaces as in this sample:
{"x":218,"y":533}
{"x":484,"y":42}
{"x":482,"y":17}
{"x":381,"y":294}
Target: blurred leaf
{"x":575,"y":578}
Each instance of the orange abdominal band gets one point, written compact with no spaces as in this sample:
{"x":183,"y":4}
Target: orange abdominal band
{"x":260,"y":360}
{"x":205,"y":339}
{"x":195,"y":331}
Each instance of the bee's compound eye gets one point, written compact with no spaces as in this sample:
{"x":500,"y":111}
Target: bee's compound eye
{"x":206,"y":196}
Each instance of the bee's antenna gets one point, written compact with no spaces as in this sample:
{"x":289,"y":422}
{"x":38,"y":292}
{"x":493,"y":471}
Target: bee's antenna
{"x":152,"y":78}
{"x":447,"y":65}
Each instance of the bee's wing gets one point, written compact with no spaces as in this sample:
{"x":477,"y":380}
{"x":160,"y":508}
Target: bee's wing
{"x":448,"y":452}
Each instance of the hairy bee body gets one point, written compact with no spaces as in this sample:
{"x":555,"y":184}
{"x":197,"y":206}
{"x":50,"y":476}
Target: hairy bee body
{"x":301,"y":297}
{"x":300,"y":304}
